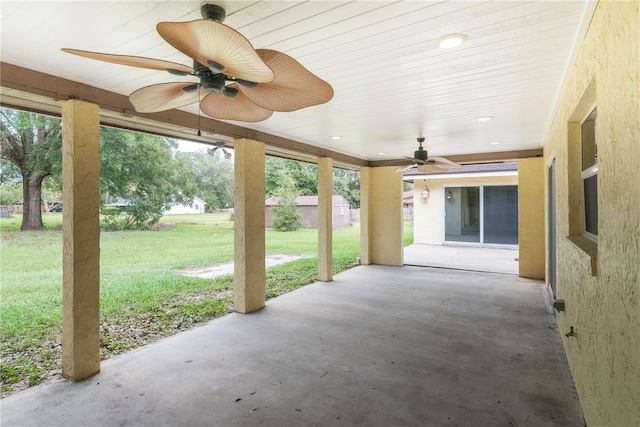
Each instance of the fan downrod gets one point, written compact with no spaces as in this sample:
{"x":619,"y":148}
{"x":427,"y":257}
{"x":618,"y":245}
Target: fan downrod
{"x":421,"y":153}
{"x":213,"y":12}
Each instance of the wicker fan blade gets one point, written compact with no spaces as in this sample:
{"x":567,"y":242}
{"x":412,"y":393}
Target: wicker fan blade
{"x":239,"y":108}
{"x":443,"y":163}
{"x":164,"y":96}
{"x":405,"y":168}
{"x":429,"y":167}
{"x":206,"y":40}
{"x":418,"y":161}
{"x":132,"y":61}
{"x":293,"y":88}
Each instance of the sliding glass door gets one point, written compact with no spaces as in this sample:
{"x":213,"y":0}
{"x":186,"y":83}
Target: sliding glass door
{"x":462,"y":214}
{"x":482,"y":214}
{"x":501,"y":214}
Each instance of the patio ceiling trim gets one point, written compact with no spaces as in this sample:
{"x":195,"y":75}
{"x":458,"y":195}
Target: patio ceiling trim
{"x":38,"y":92}
{"x":30,"y":90}
{"x":427,"y":176}
{"x":474,"y":158}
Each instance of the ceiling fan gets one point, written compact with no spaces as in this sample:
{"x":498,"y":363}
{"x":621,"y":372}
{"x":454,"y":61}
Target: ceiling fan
{"x":219,"y":146}
{"x":427,"y":164}
{"x":235,"y":82}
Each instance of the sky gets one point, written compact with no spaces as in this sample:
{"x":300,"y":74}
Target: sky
{"x":188,"y":146}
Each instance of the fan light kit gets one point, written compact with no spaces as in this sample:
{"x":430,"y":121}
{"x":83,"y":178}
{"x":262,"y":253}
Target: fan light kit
{"x":425,"y":194}
{"x":427,"y":164}
{"x":219,"y":146}
{"x":235,"y":81}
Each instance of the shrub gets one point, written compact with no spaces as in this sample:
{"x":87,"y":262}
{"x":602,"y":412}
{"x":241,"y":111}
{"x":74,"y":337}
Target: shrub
{"x":285,"y":215}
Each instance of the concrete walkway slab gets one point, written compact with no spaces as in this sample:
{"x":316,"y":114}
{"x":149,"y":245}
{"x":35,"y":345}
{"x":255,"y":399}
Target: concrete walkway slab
{"x":211,"y":271}
{"x":472,"y":258}
{"x":378,"y":346}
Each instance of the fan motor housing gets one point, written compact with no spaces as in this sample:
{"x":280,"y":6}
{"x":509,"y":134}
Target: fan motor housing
{"x":420,"y":154}
{"x":213,"y":12}
{"x":213,"y":83}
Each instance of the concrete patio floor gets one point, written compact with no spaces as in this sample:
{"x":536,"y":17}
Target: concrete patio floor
{"x":378,"y":346}
{"x":460,"y":257}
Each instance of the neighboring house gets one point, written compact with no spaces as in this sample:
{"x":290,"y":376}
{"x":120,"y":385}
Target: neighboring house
{"x":308,"y":208}
{"x":119,"y":203}
{"x":5,"y":212}
{"x":197,"y":206}
{"x":475,"y":205}
{"x":407,"y":205}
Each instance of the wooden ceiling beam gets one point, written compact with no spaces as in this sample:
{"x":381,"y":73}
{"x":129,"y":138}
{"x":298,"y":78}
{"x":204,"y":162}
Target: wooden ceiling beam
{"x":466,"y":159}
{"x":46,"y":90}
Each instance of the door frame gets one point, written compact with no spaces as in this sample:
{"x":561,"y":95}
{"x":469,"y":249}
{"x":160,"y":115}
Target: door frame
{"x":481,"y":217}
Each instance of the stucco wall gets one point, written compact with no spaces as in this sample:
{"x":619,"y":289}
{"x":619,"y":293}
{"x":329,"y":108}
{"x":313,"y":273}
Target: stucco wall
{"x":381,"y":223}
{"x":429,"y":219}
{"x":604,"y":309}
{"x":531,"y":237}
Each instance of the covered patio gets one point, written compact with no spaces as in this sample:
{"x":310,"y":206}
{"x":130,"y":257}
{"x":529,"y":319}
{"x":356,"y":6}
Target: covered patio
{"x":378,"y":346}
{"x":467,"y":348}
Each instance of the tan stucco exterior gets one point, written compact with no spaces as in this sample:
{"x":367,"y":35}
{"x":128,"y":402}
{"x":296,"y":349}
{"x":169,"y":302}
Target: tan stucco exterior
{"x":249,"y":277}
{"x":81,"y":239}
{"x":381,"y":216}
{"x":325,"y":219}
{"x":531,"y":231}
{"x":428,"y":218}
{"x":602,"y":304}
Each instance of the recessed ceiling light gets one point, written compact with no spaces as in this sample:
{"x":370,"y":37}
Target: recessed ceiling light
{"x":381,"y":153}
{"x":451,"y":40}
{"x":495,"y":143}
{"x":336,"y":137}
{"x":485,"y":118}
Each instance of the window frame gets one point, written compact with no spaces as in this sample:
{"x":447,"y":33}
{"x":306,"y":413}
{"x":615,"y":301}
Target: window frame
{"x":589,"y":172}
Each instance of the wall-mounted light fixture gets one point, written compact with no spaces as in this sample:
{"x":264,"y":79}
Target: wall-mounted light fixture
{"x":425,"y":194}
{"x":449,"y":195}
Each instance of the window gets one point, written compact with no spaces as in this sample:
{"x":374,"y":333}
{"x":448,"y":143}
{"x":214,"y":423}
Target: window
{"x":589,"y":175}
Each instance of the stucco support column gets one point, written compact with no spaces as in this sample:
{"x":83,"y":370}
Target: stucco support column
{"x":365,"y":215}
{"x":325,"y":219}
{"x":381,"y":216}
{"x":531,"y":232}
{"x":249,"y":226}
{"x":81,"y":239}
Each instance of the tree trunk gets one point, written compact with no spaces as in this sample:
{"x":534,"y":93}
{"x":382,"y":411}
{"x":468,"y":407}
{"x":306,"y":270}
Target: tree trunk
{"x":31,"y":202}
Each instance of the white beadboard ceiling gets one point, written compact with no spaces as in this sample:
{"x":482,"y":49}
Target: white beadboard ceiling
{"x":392,"y":82}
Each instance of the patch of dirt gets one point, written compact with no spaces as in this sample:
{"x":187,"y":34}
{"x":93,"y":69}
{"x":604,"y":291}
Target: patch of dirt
{"x":164,"y":226}
{"x":211,"y":271}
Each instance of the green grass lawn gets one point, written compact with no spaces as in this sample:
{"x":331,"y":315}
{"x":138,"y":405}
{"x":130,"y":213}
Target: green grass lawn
{"x":142,"y":297}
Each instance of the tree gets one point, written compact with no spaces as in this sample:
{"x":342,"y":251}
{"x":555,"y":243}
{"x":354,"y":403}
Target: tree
{"x":347,"y":184}
{"x":305,"y":175}
{"x":285,"y":215}
{"x":10,"y":194}
{"x":33,"y":143}
{"x":145,"y":171}
{"x":213,"y":178}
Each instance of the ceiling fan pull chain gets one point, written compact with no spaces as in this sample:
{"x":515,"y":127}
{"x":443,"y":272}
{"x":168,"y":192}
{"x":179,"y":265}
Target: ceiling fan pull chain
{"x":199,"y":101}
